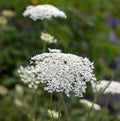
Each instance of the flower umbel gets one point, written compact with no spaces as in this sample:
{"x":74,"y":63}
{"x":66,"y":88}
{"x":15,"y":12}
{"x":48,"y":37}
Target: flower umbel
{"x":53,"y":114}
{"x":28,"y":77}
{"x":89,"y":104}
{"x":44,"y":11}
{"x":61,"y":72}
{"x":8,"y":13}
{"x":48,"y":38}
{"x":113,"y":88}
{"x":3,"y":21}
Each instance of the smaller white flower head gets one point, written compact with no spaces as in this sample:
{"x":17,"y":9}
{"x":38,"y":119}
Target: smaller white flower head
{"x":89,"y":104}
{"x":19,"y":89}
{"x":48,"y":38}
{"x":18,"y":102}
{"x":8,"y":13}
{"x":44,"y":11}
{"x":53,"y":114}
{"x":3,"y":90}
{"x":113,"y":88}
{"x":27,"y":76}
{"x":3,"y":21}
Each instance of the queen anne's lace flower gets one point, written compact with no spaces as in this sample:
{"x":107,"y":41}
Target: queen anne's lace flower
{"x":114,"y":87}
{"x":8,"y":13}
{"x":28,"y":77}
{"x":60,"y":72}
{"x":3,"y":90}
{"x":3,"y":21}
{"x":43,"y":12}
{"x":48,"y":38}
{"x":53,"y":114}
{"x":89,"y":104}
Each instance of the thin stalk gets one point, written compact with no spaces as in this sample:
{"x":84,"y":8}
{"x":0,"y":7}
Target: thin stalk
{"x":96,"y":97}
{"x":107,"y":101}
{"x":44,"y":47}
{"x":45,"y":29}
{"x":35,"y":105}
{"x":51,"y":96}
{"x":45,"y":25}
{"x":65,"y":107}
{"x":59,"y":106}
{"x":24,"y":106}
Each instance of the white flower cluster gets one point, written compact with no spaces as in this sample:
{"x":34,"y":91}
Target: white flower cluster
{"x":8,"y":13}
{"x":48,"y":38}
{"x":60,"y":72}
{"x":28,"y":77}
{"x":53,"y":114}
{"x":113,"y":88}
{"x":3,"y":21}
{"x":89,"y":104}
{"x":44,"y":11}
{"x":3,"y":90}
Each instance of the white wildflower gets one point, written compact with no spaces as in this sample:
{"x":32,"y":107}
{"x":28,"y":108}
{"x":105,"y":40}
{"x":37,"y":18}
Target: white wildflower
{"x":18,"y":102}
{"x":3,"y":21}
{"x":89,"y":104}
{"x":53,"y":114}
{"x":8,"y":13}
{"x":44,"y":11}
{"x":113,"y":88}
{"x":3,"y":90}
{"x":48,"y":38}
{"x":19,"y":89}
{"x":28,"y":77}
{"x":60,"y":72}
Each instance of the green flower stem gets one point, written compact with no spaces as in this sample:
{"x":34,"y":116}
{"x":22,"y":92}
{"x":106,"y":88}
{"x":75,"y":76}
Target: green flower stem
{"x":44,"y":47}
{"x":65,"y":107}
{"x":59,"y":106}
{"x":45,"y":29}
{"x":96,"y":97}
{"x":45,"y":25}
{"x":51,"y":97}
{"x":26,"y":112}
{"x":35,"y":105}
{"x":103,"y":111}
{"x":99,"y":94}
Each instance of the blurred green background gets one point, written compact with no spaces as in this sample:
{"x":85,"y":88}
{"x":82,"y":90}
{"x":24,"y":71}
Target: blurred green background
{"x":92,"y":29}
